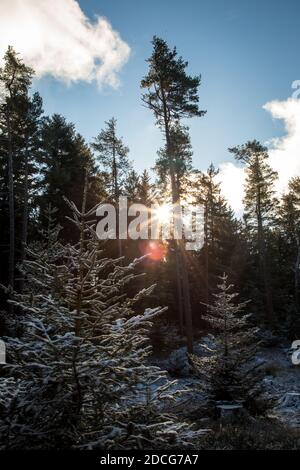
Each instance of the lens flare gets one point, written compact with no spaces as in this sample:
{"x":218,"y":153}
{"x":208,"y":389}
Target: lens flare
{"x":155,"y":250}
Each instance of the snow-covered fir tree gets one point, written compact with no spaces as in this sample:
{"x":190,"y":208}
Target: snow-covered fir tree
{"x":78,"y":375}
{"x":229,"y":371}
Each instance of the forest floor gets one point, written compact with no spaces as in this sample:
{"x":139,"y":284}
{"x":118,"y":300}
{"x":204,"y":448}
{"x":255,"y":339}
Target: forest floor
{"x":278,"y":429}
{"x":281,"y":380}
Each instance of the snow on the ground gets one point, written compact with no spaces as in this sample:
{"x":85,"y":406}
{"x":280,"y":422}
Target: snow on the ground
{"x":282,"y":379}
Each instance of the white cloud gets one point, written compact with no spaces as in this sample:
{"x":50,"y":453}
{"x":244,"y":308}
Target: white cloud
{"x":232,"y":178}
{"x":283,"y":152}
{"x":55,"y":37}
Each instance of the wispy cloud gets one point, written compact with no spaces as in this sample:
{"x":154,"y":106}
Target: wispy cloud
{"x":284,"y":154}
{"x":55,"y":37}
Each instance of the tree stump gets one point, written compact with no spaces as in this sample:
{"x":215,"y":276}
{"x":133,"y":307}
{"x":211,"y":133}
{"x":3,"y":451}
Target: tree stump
{"x":229,"y":412}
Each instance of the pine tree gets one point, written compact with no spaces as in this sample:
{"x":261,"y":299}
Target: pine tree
{"x":182,"y":157}
{"x":223,"y":242}
{"x":172,"y":95}
{"x":288,"y":221}
{"x":259,"y":205}
{"x":207,"y":193}
{"x":131,"y":186}
{"x":31,"y":127}
{"x":64,"y":159}
{"x":230,"y":372}
{"x":78,"y":375}
{"x":146,"y":191}
{"x":15,"y":80}
{"x":113,"y":156}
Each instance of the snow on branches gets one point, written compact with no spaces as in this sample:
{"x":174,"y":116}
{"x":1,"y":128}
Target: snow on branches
{"x":78,"y":375}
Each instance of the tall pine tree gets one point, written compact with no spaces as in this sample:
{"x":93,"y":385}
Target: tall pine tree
{"x":259,"y":202}
{"x":172,"y":95}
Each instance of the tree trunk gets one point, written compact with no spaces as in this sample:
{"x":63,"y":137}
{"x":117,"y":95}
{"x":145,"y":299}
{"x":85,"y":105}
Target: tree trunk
{"x":179,"y":290}
{"x":180,"y":259}
{"x":206,"y":258}
{"x":11,"y":204}
{"x":296,"y":275}
{"x":186,"y":299}
{"x":264,"y":269}
{"x":266,"y":280}
{"x":116,"y":193}
{"x":24,"y":234}
{"x":81,"y":266}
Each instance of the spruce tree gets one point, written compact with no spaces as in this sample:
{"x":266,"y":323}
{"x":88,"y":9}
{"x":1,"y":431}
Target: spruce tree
{"x":78,"y":376}
{"x":230,"y":372}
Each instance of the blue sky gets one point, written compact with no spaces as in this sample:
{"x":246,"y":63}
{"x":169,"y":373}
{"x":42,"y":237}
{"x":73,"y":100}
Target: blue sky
{"x":246,"y":51}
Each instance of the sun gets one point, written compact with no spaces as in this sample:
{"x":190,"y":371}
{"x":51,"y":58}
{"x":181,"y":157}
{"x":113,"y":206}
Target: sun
{"x":163,"y":213}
